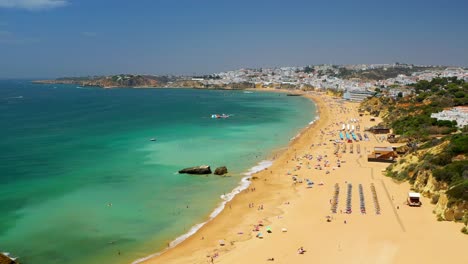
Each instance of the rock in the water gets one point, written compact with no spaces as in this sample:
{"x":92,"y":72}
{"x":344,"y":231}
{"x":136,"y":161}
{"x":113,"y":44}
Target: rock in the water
{"x":197,"y":170}
{"x":221,"y":170}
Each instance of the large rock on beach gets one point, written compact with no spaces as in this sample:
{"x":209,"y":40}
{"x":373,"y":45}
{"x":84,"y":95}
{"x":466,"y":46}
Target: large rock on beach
{"x":221,"y":170}
{"x":197,"y":170}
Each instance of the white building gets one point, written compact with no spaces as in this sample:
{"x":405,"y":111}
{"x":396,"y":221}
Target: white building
{"x":357,"y":95}
{"x":459,"y":114}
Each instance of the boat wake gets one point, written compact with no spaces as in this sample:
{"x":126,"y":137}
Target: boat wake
{"x":15,"y":97}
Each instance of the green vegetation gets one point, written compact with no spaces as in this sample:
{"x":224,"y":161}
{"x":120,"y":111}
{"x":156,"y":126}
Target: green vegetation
{"x":308,"y":69}
{"x":410,"y":117}
{"x":380,"y":73}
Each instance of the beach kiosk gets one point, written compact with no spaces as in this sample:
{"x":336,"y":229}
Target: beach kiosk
{"x":414,"y":199}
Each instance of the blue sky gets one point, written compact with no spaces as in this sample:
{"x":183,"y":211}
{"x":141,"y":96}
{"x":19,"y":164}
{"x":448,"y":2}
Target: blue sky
{"x":53,"y":38}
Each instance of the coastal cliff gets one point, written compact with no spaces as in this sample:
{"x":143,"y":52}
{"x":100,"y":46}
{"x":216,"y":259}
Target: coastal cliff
{"x":449,"y":195}
{"x":115,"y":81}
{"x":143,"y":81}
{"x":436,"y":159}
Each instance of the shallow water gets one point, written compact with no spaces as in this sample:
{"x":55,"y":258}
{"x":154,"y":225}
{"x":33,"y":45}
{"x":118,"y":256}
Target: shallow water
{"x":80,"y":181}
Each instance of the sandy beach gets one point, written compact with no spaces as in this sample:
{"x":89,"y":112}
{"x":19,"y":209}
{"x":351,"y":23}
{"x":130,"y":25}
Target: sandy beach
{"x":297,"y":215}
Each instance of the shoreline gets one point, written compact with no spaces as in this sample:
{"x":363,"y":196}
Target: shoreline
{"x":245,"y":181}
{"x":242,"y":187}
{"x":361,"y":238}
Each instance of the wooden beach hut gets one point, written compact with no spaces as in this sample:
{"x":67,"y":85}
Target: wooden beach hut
{"x":383,"y":154}
{"x":379,"y":130}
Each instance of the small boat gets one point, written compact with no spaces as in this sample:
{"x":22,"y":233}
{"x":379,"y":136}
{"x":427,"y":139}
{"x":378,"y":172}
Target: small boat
{"x":153,"y":139}
{"x":217,"y":116}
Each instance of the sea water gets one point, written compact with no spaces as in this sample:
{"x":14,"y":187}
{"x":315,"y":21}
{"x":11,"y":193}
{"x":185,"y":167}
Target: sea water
{"x":81,"y":181}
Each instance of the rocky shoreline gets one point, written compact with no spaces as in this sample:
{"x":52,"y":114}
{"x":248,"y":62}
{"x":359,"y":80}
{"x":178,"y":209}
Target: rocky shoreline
{"x":142,"y":81}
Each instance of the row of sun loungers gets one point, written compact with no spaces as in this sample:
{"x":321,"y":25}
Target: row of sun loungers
{"x":334,"y":202}
{"x":348,"y":198}
{"x":376,"y":200}
{"x":361,"y":200}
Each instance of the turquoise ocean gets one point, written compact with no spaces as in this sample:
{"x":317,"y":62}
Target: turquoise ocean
{"x":80,"y":180}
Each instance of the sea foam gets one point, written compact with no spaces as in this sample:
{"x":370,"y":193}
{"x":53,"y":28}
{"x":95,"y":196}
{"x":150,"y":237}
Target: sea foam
{"x":244,"y":184}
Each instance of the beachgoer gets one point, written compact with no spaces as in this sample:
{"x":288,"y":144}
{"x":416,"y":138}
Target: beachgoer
{"x":301,"y":250}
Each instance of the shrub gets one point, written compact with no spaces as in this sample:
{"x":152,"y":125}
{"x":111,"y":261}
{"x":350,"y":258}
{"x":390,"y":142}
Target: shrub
{"x":459,"y":191}
{"x":464,"y":230}
{"x":442,"y":159}
{"x":459,"y":144}
{"x":411,"y":167}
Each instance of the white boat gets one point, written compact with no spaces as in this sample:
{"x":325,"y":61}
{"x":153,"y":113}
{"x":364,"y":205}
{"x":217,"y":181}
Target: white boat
{"x":153,"y":139}
{"x":216,"y":116}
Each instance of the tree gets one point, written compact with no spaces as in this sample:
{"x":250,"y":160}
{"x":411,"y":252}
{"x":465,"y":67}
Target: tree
{"x":400,"y":95}
{"x":308,"y":69}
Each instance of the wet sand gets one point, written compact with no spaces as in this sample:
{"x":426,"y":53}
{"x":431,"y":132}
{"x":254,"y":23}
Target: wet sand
{"x":402,"y":235}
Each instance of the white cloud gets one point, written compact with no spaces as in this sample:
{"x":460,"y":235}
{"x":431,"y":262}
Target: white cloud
{"x":32,"y":4}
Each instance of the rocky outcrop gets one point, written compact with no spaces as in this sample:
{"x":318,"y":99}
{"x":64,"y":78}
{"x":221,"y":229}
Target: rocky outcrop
{"x":197,"y":170}
{"x":221,"y":170}
{"x":423,"y":181}
{"x":115,"y":81}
